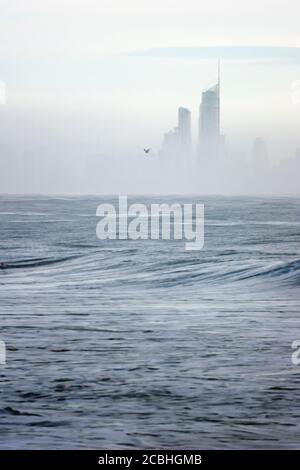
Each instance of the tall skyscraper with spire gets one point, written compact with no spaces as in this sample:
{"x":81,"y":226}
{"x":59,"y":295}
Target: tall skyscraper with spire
{"x":210,"y":139}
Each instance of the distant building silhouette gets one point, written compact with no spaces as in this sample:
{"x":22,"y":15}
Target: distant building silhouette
{"x":170,"y":143}
{"x":210,"y":140}
{"x":177,"y":144}
{"x":209,"y":115}
{"x":184,"y":131}
{"x":260,"y":157}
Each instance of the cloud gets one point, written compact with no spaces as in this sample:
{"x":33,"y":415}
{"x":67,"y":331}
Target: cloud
{"x":224,"y":52}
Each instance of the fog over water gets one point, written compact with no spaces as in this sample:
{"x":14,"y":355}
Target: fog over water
{"x":84,"y":91}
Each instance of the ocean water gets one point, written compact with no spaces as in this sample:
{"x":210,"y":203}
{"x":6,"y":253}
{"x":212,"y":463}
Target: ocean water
{"x":142,"y":344}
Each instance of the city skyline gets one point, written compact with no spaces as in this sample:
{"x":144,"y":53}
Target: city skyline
{"x":178,"y":142}
{"x":81,"y":104}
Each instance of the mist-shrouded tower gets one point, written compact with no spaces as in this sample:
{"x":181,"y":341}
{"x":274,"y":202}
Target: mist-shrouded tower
{"x":177,"y":144}
{"x":184,"y":132}
{"x":210,"y":139}
{"x":260,"y":158}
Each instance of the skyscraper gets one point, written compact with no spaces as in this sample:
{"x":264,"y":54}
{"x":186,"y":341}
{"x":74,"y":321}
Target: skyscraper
{"x":260,"y":157}
{"x":177,"y":144}
{"x":210,"y":139}
{"x":184,"y":131}
{"x":209,"y":127}
{"x":170,"y":144}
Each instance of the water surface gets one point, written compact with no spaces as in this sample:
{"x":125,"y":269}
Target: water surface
{"x":142,"y":344}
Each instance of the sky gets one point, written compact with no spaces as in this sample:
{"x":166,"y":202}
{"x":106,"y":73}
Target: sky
{"x":75,"y":27}
{"x":80,"y":78}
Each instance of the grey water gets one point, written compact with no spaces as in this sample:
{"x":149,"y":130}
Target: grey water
{"x":141,"y":344}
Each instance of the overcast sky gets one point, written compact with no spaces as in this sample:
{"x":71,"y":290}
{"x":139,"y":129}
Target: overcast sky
{"x":104,"y":26}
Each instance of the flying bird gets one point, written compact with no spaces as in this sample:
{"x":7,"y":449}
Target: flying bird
{"x":147,"y":150}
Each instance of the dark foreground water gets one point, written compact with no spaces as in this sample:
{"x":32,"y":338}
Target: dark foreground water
{"x":141,"y":344}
